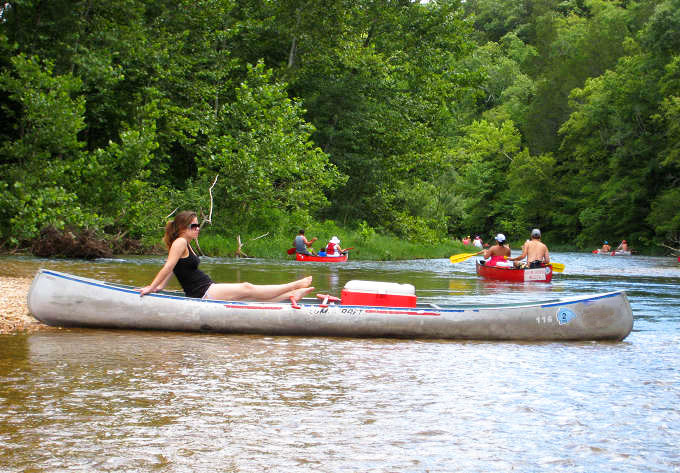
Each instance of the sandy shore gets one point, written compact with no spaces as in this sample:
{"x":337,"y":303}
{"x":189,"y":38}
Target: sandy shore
{"x":14,"y":315}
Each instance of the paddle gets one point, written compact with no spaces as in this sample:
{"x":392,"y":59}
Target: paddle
{"x":557,"y":267}
{"x":291,"y":251}
{"x":461,"y":257}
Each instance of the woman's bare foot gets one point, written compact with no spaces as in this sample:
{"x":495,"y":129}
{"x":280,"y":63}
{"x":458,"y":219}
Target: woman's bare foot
{"x":304,"y":282}
{"x":300,"y":293}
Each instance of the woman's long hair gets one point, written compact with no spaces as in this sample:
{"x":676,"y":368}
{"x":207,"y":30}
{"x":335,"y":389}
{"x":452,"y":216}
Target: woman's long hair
{"x":174,"y":227}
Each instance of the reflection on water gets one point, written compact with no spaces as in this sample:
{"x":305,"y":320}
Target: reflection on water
{"x":100,"y":400}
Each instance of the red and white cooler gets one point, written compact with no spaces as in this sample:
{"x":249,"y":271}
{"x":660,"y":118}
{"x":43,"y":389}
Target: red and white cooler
{"x":374,"y":293}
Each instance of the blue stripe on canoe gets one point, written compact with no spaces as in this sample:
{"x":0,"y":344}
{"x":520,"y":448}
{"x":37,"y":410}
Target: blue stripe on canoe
{"x":183,"y":298}
{"x":128,"y":291}
{"x":604,"y":296}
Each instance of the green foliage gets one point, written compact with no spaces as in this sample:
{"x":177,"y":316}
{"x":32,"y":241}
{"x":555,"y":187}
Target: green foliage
{"x":366,"y":247}
{"x":40,"y":155}
{"x":484,"y":156}
{"x":664,"y":216}
{"x":365,"y":232}
{"x":264,"y":152}
{"x":412,"y":120}
{"x":530,"y":193}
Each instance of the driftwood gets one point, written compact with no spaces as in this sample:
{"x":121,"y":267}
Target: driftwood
{"x":171,"y":213}
{"x":674,"y":250}
{"x":209,"y":218}
{"x":70,"y":243}
{"x":239,"y":250}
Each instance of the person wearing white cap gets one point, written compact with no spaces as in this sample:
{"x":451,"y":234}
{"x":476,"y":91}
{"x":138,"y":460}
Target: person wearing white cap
{"x":333,"y":247}
{"x":499,"y":253}
{"x":535,"y":252}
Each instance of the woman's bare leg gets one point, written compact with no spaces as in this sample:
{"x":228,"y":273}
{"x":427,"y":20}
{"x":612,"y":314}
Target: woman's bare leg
{"x":296,"y":294}
{"x":253,"y":292}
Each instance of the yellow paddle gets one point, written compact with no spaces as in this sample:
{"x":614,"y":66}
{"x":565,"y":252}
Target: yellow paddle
{"x":461,"y":257}
{"x":557,"y":267}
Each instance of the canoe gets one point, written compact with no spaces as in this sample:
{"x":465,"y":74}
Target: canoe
{"x":327,"y":259}
{"x":612,"y":253}
{"x":500,"y":273}
{"x":67,"y":300}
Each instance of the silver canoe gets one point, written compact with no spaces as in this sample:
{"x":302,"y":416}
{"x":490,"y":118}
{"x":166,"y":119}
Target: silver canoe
{"x":66,"y":300}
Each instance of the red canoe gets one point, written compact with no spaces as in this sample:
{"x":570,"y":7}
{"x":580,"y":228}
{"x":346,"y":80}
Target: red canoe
{"x":327,"y":259}
{"x":515,"y":275}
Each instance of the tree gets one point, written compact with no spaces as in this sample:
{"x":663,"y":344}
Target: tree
{"x":261,"y":146}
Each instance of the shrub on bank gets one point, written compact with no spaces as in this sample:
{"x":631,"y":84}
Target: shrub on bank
{"x":366,"y":245}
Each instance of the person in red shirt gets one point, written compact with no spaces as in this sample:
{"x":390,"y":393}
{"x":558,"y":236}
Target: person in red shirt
{"x":499,"y":253}
{"x":333,"y":248}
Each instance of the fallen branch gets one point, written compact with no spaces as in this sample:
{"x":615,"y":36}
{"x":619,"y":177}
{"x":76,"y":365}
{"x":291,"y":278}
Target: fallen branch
{"x":675,"y":250}
{"x":209,"y":219}
{"x":261,"y":236}
{"x":170,"y":214}
{"x":239,"y":250}
{"x":239,"y":253}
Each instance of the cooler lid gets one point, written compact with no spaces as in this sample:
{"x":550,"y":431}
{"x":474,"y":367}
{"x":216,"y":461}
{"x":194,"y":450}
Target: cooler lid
{"x":379,"y":287}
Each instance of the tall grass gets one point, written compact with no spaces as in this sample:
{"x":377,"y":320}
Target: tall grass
{"x":366,"y":245}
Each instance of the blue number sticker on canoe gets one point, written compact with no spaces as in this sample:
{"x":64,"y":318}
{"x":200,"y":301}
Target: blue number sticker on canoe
{"x":564,"y":316}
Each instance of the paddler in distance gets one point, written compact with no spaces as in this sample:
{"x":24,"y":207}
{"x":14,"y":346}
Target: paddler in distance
{"x":499,"y":253}
{"x":301,"y":244}
{"x":535,"y":252}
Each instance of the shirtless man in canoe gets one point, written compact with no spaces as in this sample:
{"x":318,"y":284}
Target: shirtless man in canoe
{"x":535,"y":252}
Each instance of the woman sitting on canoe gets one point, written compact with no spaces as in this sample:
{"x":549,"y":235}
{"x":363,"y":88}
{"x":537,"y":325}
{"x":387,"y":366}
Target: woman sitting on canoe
{"x":183,"y":262}
{"x":499,"y":253}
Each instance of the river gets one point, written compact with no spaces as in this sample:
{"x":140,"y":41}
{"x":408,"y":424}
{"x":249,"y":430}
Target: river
{"x":112,"y":401}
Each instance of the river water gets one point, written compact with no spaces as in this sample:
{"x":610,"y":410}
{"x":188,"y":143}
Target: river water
{"x":114,"y":401}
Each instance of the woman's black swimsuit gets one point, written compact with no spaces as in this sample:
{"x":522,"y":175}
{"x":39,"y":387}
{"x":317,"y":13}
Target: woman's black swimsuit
{"x":194,"y":281}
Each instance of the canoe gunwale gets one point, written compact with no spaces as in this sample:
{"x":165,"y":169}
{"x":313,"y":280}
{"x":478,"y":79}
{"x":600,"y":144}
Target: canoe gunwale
{"x":313,"y":302}
{"x":321,"y":259}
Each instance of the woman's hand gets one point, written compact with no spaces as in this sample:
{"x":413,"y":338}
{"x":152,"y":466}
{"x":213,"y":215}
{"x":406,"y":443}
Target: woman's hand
{"x":146,"y":290}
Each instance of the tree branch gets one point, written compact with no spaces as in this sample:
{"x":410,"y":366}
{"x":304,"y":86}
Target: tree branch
{"x":209,"y":219}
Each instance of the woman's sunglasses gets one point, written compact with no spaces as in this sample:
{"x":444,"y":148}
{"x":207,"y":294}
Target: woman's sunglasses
{"x":195,"y":226}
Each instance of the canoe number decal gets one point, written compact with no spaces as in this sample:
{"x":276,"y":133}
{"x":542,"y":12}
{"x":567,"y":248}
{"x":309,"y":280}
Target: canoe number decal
{"x":537,"y":274}
{"x":345,"y":311}
{"x":564,"y":316}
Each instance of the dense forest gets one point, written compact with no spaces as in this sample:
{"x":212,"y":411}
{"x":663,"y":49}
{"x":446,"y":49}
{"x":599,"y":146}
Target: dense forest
{"x":422,"y":120}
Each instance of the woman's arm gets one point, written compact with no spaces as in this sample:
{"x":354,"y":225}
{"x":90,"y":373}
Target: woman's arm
{"x":164,"y":283}
{"x":522,"y":256}
{"x":177,"y":249}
